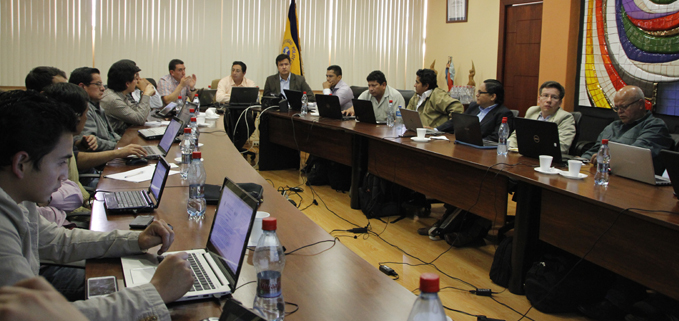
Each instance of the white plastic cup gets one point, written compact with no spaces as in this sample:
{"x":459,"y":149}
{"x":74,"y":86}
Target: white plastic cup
{"x":574,"y":167}
{"x":421,"y":133}
{"x":211,"y":112}
{"x":545,"y":162}
{"x":257,"y":228}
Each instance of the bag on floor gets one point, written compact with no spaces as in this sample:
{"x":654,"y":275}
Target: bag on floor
{"x":381,"y":198}
{"x":501,"y":269}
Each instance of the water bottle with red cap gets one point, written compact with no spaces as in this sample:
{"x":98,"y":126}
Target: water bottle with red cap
{"x":187,"y":147}
{"x":428,"y":306}
{"x":502,"y":136}
{"x":269,"y":261}
{"x":305,"y":104}
{"x":196,"y":204}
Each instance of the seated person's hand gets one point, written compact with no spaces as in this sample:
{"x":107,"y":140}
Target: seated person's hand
{"x":35,"y":299}
{"x":427,"y":127}
{"x":349,"y":111}
{"x":173,"y":277}
{"x":131,"y":149}
{"x":142,"y":83}
{"x":149,"y":90}
{"x":326,"y":85}
{"x":593,"y":159}
{"x":158,"y":232}
{"x":91,"y":142}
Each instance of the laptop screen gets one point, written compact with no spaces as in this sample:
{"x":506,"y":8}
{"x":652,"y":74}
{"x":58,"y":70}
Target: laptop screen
{"x":170,"y":133}
{"x":157,"y":179}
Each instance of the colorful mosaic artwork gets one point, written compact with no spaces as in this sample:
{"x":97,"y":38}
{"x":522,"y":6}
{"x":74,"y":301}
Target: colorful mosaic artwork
{"x":630,"y":42}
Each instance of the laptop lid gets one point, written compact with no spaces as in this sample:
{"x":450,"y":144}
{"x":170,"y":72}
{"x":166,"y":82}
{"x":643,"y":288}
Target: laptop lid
{"x":670,"y":160}
{"x":167,"y":109}
{"x":536,"y":137}
{"x":365,"y":112}
{"x":467,"y":129}
{"x":294,"y":99}
{"x":329,"y":106}
{"x":244,"y":95}
{"x":168,"y":138}
{"x":207,"y":96}
{"x":231,"y":229}
{"x":632,"y":162}
{"x":411,"y":119}
{"x":158,"y":181}
{"x":185,"y":115}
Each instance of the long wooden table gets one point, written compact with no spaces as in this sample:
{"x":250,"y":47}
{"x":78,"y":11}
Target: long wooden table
{"x":574,"y":215}
{"x":335,"y":283}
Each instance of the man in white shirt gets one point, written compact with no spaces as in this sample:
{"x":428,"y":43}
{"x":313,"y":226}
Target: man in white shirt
{"x":334,"y":85}
{"x":379,"y":93}
{"x":236,"y":79}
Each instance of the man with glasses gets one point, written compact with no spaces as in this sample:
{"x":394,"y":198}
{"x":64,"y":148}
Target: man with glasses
{"x":636,"y":127}
{"x":433,"y":104}
{"x":550,"y":97}
{"x":97,"y":123}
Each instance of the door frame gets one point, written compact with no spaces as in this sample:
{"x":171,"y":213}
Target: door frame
{"x":501,"y":35}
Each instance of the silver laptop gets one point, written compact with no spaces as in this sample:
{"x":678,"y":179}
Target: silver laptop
{"x":165,"y":142}
{"x":139,"y":201}
{"x":634,"y":163}
{"x":217,"y":267}
{"x":412,"y":121}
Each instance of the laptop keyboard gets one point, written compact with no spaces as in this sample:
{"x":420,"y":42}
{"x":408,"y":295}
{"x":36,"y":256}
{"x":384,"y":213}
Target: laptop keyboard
{"x":150,"y":150}
{"x":200,"y":279}
{"x":130,"y":199}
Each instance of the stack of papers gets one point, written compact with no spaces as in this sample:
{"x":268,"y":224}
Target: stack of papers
{"x":140,"y":174}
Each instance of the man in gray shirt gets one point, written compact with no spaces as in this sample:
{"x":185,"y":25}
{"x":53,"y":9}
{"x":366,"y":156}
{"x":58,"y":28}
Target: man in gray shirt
{"x":122,"y":111}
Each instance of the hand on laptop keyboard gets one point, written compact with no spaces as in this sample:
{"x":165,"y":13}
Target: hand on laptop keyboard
{"x":173,"y":277}
{"x":131,"y":149}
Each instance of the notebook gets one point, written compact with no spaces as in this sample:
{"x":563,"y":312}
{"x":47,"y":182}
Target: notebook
{"x":329,"y":107}
{"x":243,"y":96}
{"x":217,"y":267}
{"x":468,"y":132}
{"x":364,"y":112}
{"x":139,"y":201}
{"x":165,"y":142}
{"x":634,"y":163}
{"x":670,"y":160}
{"x":294,"y":98}
{"x":536,"y":137}
{"x":412,"y":121}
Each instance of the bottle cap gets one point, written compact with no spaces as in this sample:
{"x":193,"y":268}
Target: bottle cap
{"x":192,"y":110}
{"x":429,"y":283}
{"x":391,"y":101}
{"x":269,"y":223}
{"x":305,"y":92}
{"x":209,"y":86}
{"x":187,"y":130}
{"x":193,"y":119}
{"x":179,"y":97}
{"x":604,"y":142}
{"x":504,"y":119}
{"x":196,"y":155}
{"x":196,"y":95}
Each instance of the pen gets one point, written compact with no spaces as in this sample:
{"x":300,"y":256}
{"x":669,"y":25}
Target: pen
{"x":137,"y":173}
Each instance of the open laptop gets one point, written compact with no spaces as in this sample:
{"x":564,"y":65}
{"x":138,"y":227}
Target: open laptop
{"x":165,"y":142}
{"x":243,"y":96}
{"x":294,"y":98}
{"x":536,"y":137}
{"x":412,"y":121}
{"x":207,"y":97}
{"x":216,"y":268}
{"x":140,"y":201}
{"x":329,"y":107}
{"x":634,"y":163}
{"x":154,"y":133}
{"x":468,"y":132}
{"x":364,"y":112}
{"x":167,"y":110}
{"x":670,"y":160}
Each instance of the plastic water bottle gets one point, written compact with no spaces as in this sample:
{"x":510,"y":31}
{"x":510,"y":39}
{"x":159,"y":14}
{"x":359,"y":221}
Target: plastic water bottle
{"x":399,"y":118}
{"x":196,"y":204}
{"x":187,"y":148}
{"x":305,"y":104}
{"x":180,"y":104}
{"x":502,"y":136}
{"x":428,"y":306}
{"x":603,"y":160}
{"x":192,"y":112}
{"x":196,"y":102}
{"x":195,"y":132}
{"x":269,"y":261}
{"x":390,"y":114}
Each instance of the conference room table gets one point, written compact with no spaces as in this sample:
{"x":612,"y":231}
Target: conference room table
{"x":607,"y":225}
{"x":324,"y":280}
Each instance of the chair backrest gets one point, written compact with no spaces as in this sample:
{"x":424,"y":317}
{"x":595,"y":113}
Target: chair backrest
{"x":675,"y":138}
{"x":407,"y":95}
{"x":153,"y":82}
{"x":357,"y":90}
{"x":593,"y":121}
{"x":515,"y":112}
{"x":574,"y":146}
{"x":215,"y":83}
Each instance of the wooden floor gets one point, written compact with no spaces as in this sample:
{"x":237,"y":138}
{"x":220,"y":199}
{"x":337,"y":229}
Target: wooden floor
{"x":470,"y":265}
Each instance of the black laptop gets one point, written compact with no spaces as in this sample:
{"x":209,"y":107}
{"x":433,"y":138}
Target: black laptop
{"x":364,"y":112}
{"x":294,"y":98}
{"x":329,"y":107}
{"x":243,"y":96}
{"x":536,"y":137}
{"x":140,"y":201}
{"x":468,"y":132}
{"x":670,"y":160}
{"x":207,"y":97}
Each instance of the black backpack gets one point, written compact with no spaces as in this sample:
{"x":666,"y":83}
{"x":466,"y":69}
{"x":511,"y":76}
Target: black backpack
{"x":380,"y":198}
{"x":501,"y":269}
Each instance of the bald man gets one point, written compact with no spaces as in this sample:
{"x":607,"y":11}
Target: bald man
{"x":636,"y":127}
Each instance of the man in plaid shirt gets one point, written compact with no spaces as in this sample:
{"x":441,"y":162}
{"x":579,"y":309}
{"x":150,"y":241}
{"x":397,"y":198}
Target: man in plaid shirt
{"x":177,"y":83}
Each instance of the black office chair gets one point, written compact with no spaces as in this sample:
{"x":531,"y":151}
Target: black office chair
{"x":407,"y":95}
{"x":153,"y":82}
{"x":357,"y":90}
{"x":515,"y":112}
{"x":240,"y":131}
{"x":592,"y":122}
{"x":576,"y":116}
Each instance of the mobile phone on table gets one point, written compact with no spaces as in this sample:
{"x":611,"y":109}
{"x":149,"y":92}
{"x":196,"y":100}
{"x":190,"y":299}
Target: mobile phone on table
{"x":101,"y":286}
{"x":141,"y":221}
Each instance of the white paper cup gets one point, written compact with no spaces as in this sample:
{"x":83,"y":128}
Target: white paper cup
{"x":257,"y":228}
{"x":574,"y":167}
{"x":421,"y":132}
{"x":545,"y":162}
{"x":211,"y":112}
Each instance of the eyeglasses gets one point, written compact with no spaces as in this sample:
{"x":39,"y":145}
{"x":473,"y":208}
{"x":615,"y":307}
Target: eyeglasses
{"x":98,"y":84}
{"x":624,"y":107}
{"x":548,"y":96}
{"x":479,"y":93}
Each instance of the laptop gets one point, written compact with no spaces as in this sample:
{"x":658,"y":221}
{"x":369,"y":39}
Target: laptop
{"x":167,"y":110}
{"x":165,"y":142}
{"x":634,"y":163}
{"x":412,"y":121}
{"x":243,"y":96}
{"x":294,"y":98}
{"x":670,"y":160}
{"x":216,"y":268}
{"x":154,"y":133}
{"x":468,"y":132}
{"x":329,"y":107}
{"x":536,"y":137}
{"x":207,"y":97}
{"x":140,"y":201}
{"x":364,"y":112}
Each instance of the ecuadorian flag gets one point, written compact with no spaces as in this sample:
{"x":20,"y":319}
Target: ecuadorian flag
{"x":291,"y":41}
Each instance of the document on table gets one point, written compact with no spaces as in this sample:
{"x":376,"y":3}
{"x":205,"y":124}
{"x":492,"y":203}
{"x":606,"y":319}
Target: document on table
{"x":140,"y":174}
{"x":157,"y":123}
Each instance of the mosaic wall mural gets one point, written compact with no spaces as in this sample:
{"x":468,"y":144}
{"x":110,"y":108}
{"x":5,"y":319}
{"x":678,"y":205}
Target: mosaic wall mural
{"x":630,"y":42}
